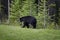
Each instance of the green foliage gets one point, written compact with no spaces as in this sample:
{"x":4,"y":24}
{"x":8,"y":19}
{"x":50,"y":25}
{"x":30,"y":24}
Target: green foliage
{"x":52,"y":5}
{"x":20,"y":8}
{"x":14,"y":10}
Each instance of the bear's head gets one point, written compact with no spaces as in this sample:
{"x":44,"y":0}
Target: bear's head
{"x":22,"y":19}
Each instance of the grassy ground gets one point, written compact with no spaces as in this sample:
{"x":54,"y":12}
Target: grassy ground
{"x":17,"y":33}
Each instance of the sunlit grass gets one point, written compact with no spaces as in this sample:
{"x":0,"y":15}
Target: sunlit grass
{"x":17,"y":33}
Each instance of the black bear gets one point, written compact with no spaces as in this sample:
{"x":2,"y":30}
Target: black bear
{"x":28,"y":20}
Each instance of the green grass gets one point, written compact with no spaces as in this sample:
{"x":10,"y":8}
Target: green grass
{"x":17,"y":33}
